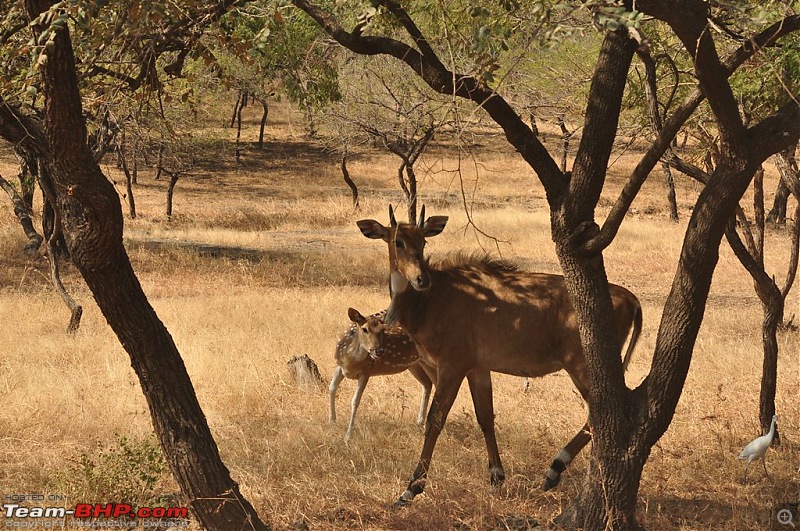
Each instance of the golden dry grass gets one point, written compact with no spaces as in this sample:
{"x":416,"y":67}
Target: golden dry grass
{"x":260,"y":263}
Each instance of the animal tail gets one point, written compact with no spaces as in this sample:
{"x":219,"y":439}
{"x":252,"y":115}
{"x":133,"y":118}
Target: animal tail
{"x":636,"y":331}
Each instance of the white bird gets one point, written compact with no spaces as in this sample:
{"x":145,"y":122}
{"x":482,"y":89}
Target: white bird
{"x":757,"y":448}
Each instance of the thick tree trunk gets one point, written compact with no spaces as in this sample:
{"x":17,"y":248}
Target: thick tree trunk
{"x":92,"y":221}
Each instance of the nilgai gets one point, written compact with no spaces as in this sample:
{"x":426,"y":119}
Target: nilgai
{"x":469,"y":316}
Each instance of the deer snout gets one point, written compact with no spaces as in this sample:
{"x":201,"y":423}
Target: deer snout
{"x":376,"y":353}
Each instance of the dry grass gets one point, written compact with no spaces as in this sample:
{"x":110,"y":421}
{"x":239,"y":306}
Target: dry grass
{"x":260,"y":263}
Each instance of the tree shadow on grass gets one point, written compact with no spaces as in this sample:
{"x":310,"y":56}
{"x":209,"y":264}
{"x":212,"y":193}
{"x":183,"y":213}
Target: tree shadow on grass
{"x":702,"y":512}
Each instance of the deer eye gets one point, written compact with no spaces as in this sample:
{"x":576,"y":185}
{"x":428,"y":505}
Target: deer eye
{"x":399,"y":244}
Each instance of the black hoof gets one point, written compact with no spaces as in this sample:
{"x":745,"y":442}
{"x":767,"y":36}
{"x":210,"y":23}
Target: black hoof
{"x":404,"y":500}
{"x":497,"y":478}
{"x":550,"y":483}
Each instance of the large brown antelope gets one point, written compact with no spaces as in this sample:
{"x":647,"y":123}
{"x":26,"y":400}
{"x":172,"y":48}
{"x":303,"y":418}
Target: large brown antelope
{"x":370,"y":348}
{"x":469,"y":316}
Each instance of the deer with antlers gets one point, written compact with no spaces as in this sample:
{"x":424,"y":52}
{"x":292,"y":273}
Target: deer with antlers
{"x":370,"y":348}
{"x":471,"y":316}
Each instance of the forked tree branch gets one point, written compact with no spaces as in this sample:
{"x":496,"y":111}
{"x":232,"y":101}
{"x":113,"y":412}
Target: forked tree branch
{"x":600,"y":126}
{"x":671,"y":127}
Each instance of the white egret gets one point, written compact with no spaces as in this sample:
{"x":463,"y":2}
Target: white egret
{"x":757,"y":448}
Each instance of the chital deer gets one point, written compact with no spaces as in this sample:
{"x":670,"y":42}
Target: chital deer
{"x":370,"y":348}
{"x":470,"y":316}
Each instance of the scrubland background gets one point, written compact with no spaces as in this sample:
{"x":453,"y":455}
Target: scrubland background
{"x":260,"y":262}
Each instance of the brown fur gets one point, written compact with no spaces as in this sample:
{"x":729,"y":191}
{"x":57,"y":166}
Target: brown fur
{"x":371,"y":348}
{"x":470,"y":316}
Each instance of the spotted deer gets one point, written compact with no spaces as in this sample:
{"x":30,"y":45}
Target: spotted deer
{"x":370,"y":348}
{"x":469,"y":316}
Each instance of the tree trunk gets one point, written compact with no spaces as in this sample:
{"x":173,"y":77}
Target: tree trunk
{"x":242,"y":105}
{"x":412,"y":191}
{"x":565,"y":137}
{"x":348,"y":180}
{"x":23,"y":214}
{"x":787,"y":166}
{"x":128,"y":182}
{"x":159,"y":162}
{"x":173,"y":180}
{"x":263,"y":125}
{"x":92,"y":220}
{"x":401,"y":177}
{"x":27,"y":182}
{"x":671,"y":198}
{"x":777,"y":214}
{"x":654,"y":115}
{"x":76,"y":311}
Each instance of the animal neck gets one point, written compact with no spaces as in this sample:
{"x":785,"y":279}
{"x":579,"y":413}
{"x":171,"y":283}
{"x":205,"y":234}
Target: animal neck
{"x":398,"y":283}
{"x":350,"y":350}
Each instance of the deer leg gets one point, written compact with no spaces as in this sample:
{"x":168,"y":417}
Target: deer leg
{"x":338,"y":376}
{"x":480,"y":385}
{"x":422,"y":377}
{"x":362,"y":383}
{"x":447,"y":385}
{"x":565,"y":456}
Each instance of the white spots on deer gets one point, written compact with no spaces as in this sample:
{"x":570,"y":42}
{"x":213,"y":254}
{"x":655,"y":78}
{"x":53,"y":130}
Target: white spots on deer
{"x":371,"y":348}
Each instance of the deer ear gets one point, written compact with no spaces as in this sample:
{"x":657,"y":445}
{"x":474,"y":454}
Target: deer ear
{"x":356,"y":316}
{"x":372,"y":229}
{"x":434,"y":225}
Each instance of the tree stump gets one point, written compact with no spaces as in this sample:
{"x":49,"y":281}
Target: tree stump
{"x":305,"y":372}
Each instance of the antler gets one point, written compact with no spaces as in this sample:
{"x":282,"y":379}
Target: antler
{"x":422,"y":217}
{"x":392,"y":221}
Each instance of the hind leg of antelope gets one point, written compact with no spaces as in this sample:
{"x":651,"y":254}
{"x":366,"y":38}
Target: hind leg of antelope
{"x":480,"y":385}
{"x":424,"y":380}
{"x":565,"y":457}
{"x":362,"y":384}
{"x":447,"y":386}
{"x":338,"y":376}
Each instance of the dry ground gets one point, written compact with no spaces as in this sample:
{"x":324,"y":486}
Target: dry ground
{"x":260,"y":263}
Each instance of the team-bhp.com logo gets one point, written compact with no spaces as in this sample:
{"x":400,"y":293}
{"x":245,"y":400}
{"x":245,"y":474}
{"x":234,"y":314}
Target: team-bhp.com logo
{"x":20,"y":515}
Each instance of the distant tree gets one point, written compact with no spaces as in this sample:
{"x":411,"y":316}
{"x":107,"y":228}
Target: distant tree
{"x":626,"y":423}
{"x":402,"y":117}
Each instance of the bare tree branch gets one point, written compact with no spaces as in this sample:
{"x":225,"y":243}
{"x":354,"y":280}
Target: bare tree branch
{"x":428,"y":66}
